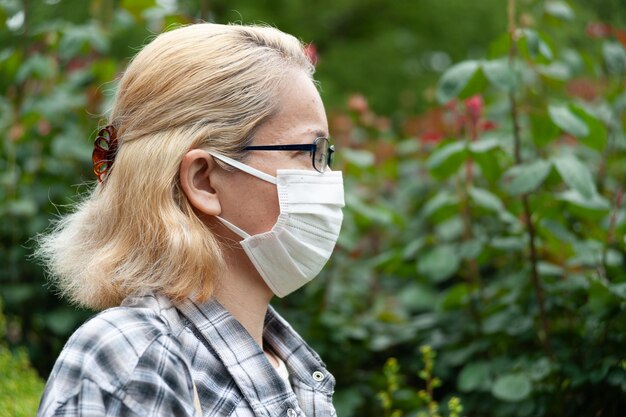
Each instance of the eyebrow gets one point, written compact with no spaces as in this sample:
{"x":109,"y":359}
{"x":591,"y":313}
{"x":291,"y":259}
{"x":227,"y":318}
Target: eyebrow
{"x":320,"y":134}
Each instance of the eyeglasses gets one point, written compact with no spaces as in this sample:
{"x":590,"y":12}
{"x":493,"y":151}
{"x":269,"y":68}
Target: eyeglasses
{"x":321,"y":151}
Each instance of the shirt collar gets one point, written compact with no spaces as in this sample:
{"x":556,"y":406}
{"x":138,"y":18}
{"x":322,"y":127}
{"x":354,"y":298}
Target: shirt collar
{"x":302,"y":362}
{"x":252,"y":372}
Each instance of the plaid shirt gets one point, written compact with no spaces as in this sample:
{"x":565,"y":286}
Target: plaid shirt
{"x":140,"y":360}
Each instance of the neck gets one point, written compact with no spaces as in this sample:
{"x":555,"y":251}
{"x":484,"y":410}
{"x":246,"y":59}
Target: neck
{"x":242,"y":292}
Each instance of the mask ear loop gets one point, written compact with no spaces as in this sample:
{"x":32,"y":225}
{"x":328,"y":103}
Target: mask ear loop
{"x":233,"y":228}
{"x":243,"y":167}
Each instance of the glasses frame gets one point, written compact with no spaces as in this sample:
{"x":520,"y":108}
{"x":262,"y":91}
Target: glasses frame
{"x":310,"y":147}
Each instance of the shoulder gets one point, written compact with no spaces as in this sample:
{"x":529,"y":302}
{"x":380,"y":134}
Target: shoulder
{"x":114,"y":339}
{"x":110,"y":349}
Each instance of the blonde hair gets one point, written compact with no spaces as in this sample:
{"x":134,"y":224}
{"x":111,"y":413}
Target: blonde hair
{"x":203,"y":86}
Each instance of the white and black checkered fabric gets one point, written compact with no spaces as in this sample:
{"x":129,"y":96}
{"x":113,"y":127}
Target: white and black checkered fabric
{"x":140,"y":360}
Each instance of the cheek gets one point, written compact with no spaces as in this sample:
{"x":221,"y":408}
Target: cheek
{"x":250,"y":203}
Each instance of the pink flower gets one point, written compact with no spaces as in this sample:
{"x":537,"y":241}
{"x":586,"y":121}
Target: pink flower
{"x":358,"y":103}
{"x":451,"y":105}
{"x":310,"y":50}
{"x":431,"y":137}
{"x":598,"y":30}
{"x":487,"y":125}
{"x":44,"y":127}
{"x":474,"y":106}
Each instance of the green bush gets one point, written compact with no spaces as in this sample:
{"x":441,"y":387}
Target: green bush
{"x":494,"y":232}
{"x":20,"y":386}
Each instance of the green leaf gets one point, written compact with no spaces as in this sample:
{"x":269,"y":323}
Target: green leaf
{"x":490,"y":164}
{"x":576,"y":175}
{"x":564,"y":118}
{"x":67,"y":144}
{"x":556,"y":71}
{"x":470,"y":249}
{"x":454,"y":80}
{"x":618,"y":289}
{"x":37,"y":66}
{"x":369,"y":212}
{"x":512,"y":387}
{"x":24,"y":207}
{"x":18,"y":293}
{"x":347,"y":401}
{"x":535,"y":46}
{"x":442,"y":199}
{"x":509,"y":243}
{"x":614,"y":57}
{"x":547,"y":268}
{"x":476,"y":85}
{"x":455,"y":297}
{"x":82,"y":37}
{"x":417,"y":296}
{"x":475,"y":376}
{"x":500,"y":46}
{"x":500,"y":74}
{"x":6,"y":113}
{"x":485,"y":145}
{"x":62,"y":320}
{"x":531,"y":42}
{"x":542,"y":128}
{"x":510,"y":320}
{"x":451,"y":229}
{"x":486,"y":199}
{"x":440,"y":263}
{"x":597,"y":202}
{"x":413,"y":247}
{"x":446,"y":160}
{"x":358,"y":157}
{"x":559,"y":9}
{"x":522,"y":179}
{"x":57,"y":103}
{"x":597,"y":137}
{"x":540,"y":369}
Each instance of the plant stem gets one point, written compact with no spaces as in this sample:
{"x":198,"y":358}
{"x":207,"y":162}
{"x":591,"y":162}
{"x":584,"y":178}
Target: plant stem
{"x":472,"y":275}
{"x":544,"y":336}
{"x":610,"y":236}
{"x":26,"y":18}
{"x":473,"y":272}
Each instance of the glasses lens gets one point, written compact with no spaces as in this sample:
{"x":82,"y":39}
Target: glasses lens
{"x":320,"y":156}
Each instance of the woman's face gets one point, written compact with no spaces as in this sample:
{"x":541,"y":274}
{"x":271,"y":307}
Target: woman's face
{"x":249,"y":202}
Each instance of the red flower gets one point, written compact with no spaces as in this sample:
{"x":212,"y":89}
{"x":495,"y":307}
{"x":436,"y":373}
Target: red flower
{"x":620,"y":34}
{"x":585,"y":88}
{"x":474,"y":106}
{"x":487,"y":125}
{"x":431,"y":137}
{"x":451,"y":105}
{"x":310,"y":50}
{"x":598,"y":30}
{"x":358,"y":103}
{"x":44,"y":127}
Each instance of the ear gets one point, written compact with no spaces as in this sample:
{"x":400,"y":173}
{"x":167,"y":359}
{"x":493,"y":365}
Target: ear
{"x":195,"y":180}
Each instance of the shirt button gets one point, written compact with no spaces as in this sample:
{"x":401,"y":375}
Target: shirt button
{"x":291,"y":412}
{"x":318,"y":376}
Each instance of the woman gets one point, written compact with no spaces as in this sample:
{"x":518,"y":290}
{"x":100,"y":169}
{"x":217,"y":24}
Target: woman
{"x":214,"y":194}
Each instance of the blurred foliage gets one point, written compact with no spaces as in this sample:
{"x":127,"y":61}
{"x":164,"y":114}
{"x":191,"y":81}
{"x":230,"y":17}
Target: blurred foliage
{"x":20,"y":386}
{"x":484,"y":166}
{"x":422,"y":401}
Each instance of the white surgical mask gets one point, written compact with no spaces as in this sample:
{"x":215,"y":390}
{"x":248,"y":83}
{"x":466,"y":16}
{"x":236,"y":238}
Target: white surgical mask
{"x":305,"y":233}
